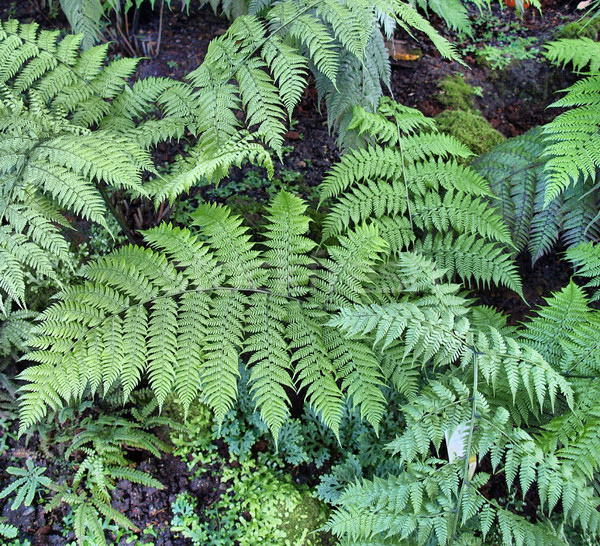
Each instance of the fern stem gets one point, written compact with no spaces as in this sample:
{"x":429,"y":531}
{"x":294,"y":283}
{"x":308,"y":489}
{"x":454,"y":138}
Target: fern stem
{"x":117,"y":215}
{"x":400,"y":144}
{"x":160,"y":25}
{"x":465,"y":480}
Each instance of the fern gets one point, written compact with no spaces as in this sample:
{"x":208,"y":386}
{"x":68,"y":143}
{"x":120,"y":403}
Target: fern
{"x":572,"y":138}
{"x":8,"y":531}
{"x":434,"y":499}
{"x":14,"y":329}
{"x":52,"y":158}
{"x":585,"y":259}
{"x":136,"y":294}
{"x":341,"y":40}
{"x":416,"y":199}
{"x":516,"y":172}
{"x":85,"y":18}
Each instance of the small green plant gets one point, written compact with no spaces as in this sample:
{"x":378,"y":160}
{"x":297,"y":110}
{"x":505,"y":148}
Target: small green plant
{"x":517,"y":49}
{"x":259,"y":506}
{"x":28,"y":483}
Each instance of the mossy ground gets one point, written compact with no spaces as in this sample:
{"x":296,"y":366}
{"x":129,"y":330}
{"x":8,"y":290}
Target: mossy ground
{"x":586,"y":27}
{"x":471,"y":128}
{"x":462,"y":120}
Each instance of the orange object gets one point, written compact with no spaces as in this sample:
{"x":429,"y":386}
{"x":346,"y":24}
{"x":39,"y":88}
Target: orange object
{"x":512,"y":3}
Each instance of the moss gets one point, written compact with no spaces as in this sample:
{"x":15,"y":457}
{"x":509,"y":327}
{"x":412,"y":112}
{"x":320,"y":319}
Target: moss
{"x":457,"y":94}
{"x":470,"y":128}
{"x":300,"y":523}
{"x":586,"y":27}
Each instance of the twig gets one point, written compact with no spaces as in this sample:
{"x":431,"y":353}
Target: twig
{"x":160,"y":24}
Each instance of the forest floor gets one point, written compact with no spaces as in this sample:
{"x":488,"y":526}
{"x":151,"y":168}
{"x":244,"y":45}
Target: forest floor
{"x":513,"y":97}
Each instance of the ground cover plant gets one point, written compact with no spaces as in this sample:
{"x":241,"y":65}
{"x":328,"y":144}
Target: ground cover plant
{"x":319,"y":369}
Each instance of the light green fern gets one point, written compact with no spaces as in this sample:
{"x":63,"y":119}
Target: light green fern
{"x":572,"y":137}
{"x":53,"y":158}
{"x":418,"y":200}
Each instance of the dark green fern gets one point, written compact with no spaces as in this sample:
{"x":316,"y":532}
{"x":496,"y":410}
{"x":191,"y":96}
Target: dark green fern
{"x":517,"y":173}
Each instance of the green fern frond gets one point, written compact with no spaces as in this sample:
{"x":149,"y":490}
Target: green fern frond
{"x":54,"y":158}
{"x":408,"y":18}
{"x":84,"y":17}
{"x":362,"y":378}
{"x":472,"y":258}
{"x":288,"y":246}
{"x":182,"y":314}
{"x":572,"y":149}
{"x":514,"y":171}
{"x":585,"y":258}
{"x":289,"y":70}
{"x":204,"y":164}
{"x":8,"y":531}
{"x":580,"y":215}
{"x":581,"y":52}
{"x":347,"y":273}
{"x":15,"y":328}
{"x":454,"y":13}
{"x":545,"y":225}
{"x":269,"y":359}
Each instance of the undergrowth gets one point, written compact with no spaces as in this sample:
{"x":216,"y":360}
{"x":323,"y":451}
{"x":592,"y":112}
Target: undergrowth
{"x":349,"y":347}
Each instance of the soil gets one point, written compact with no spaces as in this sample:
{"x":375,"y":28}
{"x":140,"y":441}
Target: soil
{"x":513,"y":100}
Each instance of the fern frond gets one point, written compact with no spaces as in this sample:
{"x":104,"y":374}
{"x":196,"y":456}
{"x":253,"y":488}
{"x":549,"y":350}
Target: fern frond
{"x":545,"y":225}
{"x":84,"y":17}
{"x":514,"y":170}
{"x":454,"y":13}
{"x":344,"y":275}
{"x":359,"y":368}
{"x":408,"y":18}
{"x":472,"y":258}
{"x":564,"y":313}
{"x":585,"y":258}
{"x":204,"y":164}
{"x":289,"y":70}
{"x":288,"y":246}
{"x":572,"y":140}
{"x":581,"y":52}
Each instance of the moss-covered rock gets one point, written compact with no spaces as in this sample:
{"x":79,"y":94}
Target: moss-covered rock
{"x":457,"y":94}
{"x":300,"y":523}
{"x":471,"y":128}
{"x":586,"y":27}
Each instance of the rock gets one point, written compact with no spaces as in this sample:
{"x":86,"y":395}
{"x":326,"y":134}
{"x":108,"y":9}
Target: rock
{"x":23,"y":517}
